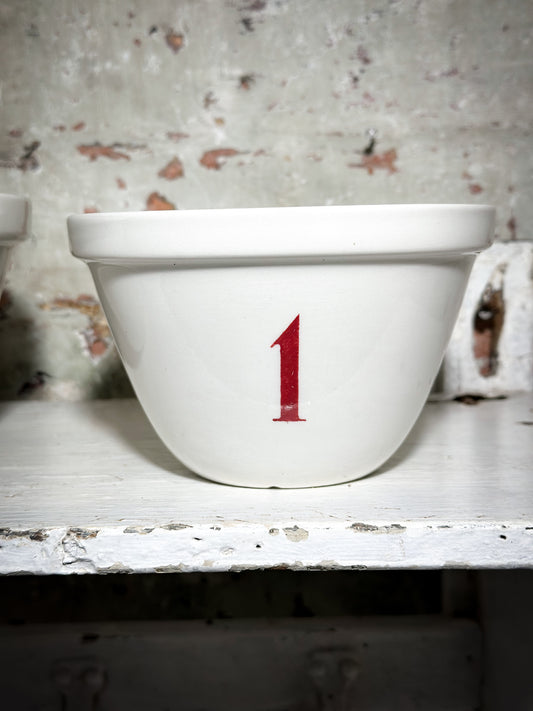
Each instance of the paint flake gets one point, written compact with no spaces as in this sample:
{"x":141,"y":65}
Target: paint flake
{"x":296,"y":534}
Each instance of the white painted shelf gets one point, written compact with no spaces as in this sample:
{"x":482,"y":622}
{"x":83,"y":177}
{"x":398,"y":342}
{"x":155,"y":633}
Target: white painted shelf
{"x":89,"y":488}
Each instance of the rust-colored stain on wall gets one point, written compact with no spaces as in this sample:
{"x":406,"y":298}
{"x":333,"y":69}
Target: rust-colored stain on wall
{"x":172,"y":170}
{"x":156,"y":201}
{"x":378,"y":161}
{"x":488,"y":324}
{"x":97,"y":336}
{"x":216,"y":158}
{"x":97,"y":150}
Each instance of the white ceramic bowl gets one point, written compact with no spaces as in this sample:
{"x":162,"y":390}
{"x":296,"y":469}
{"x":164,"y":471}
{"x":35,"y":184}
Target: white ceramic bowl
{"x":14,"y":227}
{"x":283,"y":347}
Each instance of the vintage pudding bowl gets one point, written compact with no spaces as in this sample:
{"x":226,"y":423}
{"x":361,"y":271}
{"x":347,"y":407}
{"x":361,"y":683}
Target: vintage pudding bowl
{"x":14,"y":227}
{"x":283,"y":347}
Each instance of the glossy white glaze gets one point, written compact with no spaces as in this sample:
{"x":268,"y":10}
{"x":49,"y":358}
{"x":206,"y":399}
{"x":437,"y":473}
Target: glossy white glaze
{"x":273,"y":232}
{"x":195,"y":313}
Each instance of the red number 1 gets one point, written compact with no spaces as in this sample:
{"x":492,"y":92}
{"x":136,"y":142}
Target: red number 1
{"x":289,"y":353}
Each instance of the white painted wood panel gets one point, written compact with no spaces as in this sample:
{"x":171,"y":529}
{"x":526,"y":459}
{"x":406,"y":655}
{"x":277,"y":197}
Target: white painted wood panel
{"x":89,"y":488}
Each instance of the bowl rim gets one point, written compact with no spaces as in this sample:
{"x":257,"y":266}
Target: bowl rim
{"x":15,"y":218}
{"x":317,"y":232}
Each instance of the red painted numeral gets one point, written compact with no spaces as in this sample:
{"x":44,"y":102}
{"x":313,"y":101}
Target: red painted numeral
{"x":289,"y":355}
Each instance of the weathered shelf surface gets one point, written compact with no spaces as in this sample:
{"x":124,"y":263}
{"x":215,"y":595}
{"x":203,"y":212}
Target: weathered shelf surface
{"x":89,"y":488}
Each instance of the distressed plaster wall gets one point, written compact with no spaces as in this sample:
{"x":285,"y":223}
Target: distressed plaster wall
{"x":131,"y":105}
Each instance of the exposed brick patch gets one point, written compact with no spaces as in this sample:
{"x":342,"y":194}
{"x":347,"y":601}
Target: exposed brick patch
{"x":155,"y":201}
{"x":172,"y":170}
{"x":174,"y":40}
{"x":79,"y":126}
{"x":378,"y":161}
{"x":216,"y":158}
{"x":97,"y":150}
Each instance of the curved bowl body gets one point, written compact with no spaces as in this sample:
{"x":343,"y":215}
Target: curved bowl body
{"x":283,"y":347}
{"x":14,"y":227}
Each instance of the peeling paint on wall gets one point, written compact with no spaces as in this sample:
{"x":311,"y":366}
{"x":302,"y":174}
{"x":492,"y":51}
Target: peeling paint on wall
{"x":491,"y":350}
{"x":488,"y":323}
{"x":96,"y":337}
{"x":280,"y":100}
